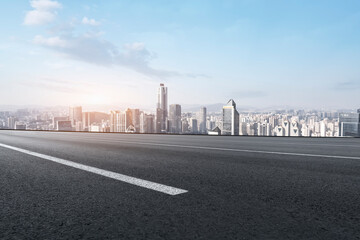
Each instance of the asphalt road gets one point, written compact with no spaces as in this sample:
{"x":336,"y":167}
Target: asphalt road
{"x":234,"y":187}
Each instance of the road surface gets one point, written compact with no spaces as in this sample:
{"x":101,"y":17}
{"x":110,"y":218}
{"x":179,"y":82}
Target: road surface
{"x":120,"y":186}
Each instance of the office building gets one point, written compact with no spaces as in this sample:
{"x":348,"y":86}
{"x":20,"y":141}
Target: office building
{"x":194,"y":126}
{"x":75,"y":114}
{"x":11,"y":122}
{"x":279,"y":131}
{"x":175,"y":118}
{"x":147,"y":123}
{"x":56,"y":119}
{"x":89,"y":118}
{"x":294,"y":129}
{"x":113,"y":121}
{"x":162,"y":109}
{"x":64,"y":126}
{"x":202,"y":120}
{"x":20,"y":126}
{"x":184,"y":126}
{"x":230,"y":119}
{"x":286,"y":126}
{"x":349,"y":124}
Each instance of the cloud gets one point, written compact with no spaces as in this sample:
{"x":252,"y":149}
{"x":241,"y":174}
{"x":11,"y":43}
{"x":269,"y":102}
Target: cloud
{"x":50,"y":42}
{"x":92,"y":49}
{"x":91,"y":22}
{"x":348,"y":85}
{"x":44,"y":12}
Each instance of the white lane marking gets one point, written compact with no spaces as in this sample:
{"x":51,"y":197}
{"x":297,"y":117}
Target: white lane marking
{"x":124,"y":178}
{"x":220,"y":149}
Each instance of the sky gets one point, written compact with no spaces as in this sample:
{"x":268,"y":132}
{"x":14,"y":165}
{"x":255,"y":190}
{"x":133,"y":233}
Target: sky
{"x":290,"y":53}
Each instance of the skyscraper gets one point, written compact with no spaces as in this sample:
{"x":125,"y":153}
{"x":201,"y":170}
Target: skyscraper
{"x":117,"y":121}
{"x":132,"y":120}
{"x":175,"y":118}
{"x":230,"y":119}
{"x":146,"y":123}
{"x":135,"y":119}
{"x":202,"y":120}
{"x":162,"y":109}
{"x":114,"y":115}
{"x":75,"y":114}
{"x":194,"y":126}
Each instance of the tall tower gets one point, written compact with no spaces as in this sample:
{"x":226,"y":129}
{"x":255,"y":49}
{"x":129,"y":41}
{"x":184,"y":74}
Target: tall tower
{"x":230,"y":119}
{"x":175,"y":118}
{"x":162,"y":109}
{"x":202,"y":120}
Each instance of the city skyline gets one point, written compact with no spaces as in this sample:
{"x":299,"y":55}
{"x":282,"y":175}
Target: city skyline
{"x":181,"y":119}
{"x":168,"y":118}
{"x":261,"y":54}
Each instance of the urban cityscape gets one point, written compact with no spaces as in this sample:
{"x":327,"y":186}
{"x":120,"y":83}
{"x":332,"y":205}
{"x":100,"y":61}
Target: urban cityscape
{"x":170,"y":119}
{"x":230,"y":119}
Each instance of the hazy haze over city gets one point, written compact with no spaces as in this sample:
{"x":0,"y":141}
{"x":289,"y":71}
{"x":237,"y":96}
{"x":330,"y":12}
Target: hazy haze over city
{"x":262,"y":54}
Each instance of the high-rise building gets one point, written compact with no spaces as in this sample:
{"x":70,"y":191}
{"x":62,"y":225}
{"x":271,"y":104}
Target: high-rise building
{"x":294,"y":129}
{"x":263,"y":129}
{"x":242,"y":128}
{"x":349,"y":124}
{"x":147,"y":123}
{"x":175,"y":118}
{"x":230,"y":119}
{"x":117,"y":121}
{"x":11,"y":122}
{"x":113,"y":120}
{"x":305,"y":131}
{"x":194,"y":126}
{"x":202,"y":120}
{"x":132,"y":120}
{"x":75,"y":114}
{"x":136,"y":119}
{"x":89,"y":118}
{"x":184,"y":126}
{"x":279,"y":131}
{"x":162,"y":109}
{"x":286,"y":126}
{"x":125,"y":121}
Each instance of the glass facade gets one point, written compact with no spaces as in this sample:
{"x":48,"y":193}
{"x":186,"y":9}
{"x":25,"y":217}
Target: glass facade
{"x":230,"y":119}
{"x":349,"y":124}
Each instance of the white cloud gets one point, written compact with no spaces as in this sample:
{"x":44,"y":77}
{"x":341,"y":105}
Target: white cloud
{"x":51,"y":42}
{"x":91,"y":22}
{"x":44,"y":12}
{"x":95,"y":50}
{"x":136,"y":46}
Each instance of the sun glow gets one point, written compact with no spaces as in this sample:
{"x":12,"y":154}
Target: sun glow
{"x":96,"y":99}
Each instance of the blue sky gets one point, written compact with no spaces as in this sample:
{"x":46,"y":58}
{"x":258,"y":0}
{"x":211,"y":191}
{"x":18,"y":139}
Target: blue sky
{"x":303,"y":54}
